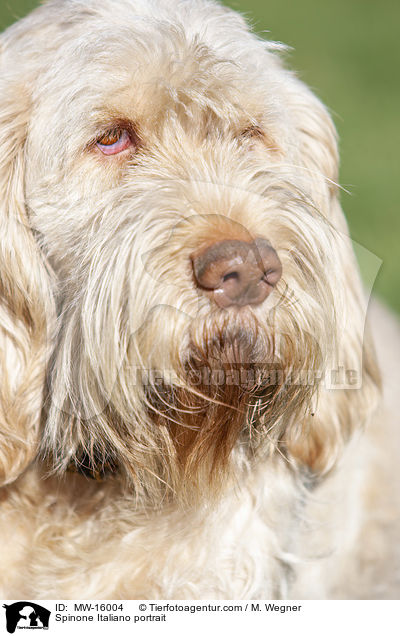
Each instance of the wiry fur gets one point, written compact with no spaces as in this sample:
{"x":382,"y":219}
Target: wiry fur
{"x":205,"y":489}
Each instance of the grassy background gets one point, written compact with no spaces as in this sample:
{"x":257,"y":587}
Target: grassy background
{"x":348,"y":52}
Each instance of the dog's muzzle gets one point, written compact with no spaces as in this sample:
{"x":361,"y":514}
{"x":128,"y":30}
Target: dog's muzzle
{"x":237,"y":272}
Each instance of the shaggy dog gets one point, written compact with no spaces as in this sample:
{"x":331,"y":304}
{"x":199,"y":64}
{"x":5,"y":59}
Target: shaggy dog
{"x":184,"y":362}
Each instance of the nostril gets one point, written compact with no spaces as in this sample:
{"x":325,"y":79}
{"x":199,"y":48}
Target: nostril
{"x":272,"y":276}
{"x":231,"y":275}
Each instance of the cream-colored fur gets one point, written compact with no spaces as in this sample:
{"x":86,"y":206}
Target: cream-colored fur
{"x":275,"y":486}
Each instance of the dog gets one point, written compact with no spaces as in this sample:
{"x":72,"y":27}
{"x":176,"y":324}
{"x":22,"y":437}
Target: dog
{"x":190,"y":397}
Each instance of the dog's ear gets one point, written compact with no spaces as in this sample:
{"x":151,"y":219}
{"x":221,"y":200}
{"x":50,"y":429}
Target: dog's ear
{"x":25,"y":298}
{"x":349,"y":389}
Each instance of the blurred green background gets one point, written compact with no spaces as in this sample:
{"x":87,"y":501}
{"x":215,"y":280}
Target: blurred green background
{"x":348,"y":51}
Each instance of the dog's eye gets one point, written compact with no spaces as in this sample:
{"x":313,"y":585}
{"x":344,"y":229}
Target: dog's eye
{"x":114,"y":141}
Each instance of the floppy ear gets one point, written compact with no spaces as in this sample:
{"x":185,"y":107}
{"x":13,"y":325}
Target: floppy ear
{"x":26,"y":306}
{"x":350,"y":387}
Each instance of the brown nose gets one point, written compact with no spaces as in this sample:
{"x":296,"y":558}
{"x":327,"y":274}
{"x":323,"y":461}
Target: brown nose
{"x":238,"y":272}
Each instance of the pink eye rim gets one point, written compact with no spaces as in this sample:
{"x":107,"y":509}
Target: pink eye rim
{"x":123,"y":142}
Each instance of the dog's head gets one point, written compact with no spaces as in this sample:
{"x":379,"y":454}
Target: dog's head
{"x":177,"y":282}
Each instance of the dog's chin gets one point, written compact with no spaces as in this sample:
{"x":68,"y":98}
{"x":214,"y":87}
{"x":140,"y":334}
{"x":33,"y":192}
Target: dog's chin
{"x":230,"y":389}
